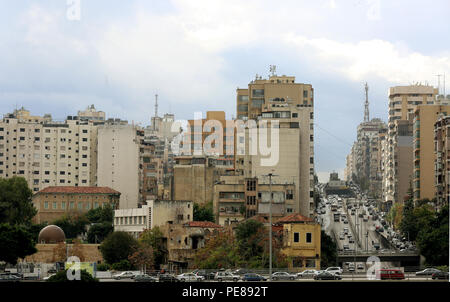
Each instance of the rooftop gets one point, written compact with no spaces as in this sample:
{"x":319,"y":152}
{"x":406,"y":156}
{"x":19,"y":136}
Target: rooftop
{"x":78,"y":190}
{"x":294,"y":218}
{"x":202,"y":224}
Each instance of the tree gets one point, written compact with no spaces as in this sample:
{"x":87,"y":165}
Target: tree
{"x":154,"y":238}
{"x":328,"y":250}
{"x":15,"y":242}
{"x":99,"y":231}
{"x":62,"y":277}
{"x":118,"y":246}
{"x":203,"y":212}
{"x":101,"y":214}
{"x":77,"y":250}
{"x":72,"y":223}
{"x":143,"y":257}
{"x":15,"y":201}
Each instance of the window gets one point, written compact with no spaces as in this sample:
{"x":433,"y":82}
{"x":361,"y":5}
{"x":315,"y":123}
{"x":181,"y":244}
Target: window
{"x":46,"y":205}
{"x":296,"y":237}
{"x":310,"y":263}
{"x":258,"y":92}
{"x":88,"y":205}
{"x":294,"y":114}
{"x":95,"y":205}
{"x":54,"y":205}
{"x":63,"y":205}
{"x":72,"y":205}
{"x":308,"y":237}
{"x":257,"y":103}
{"x":305,"y":93}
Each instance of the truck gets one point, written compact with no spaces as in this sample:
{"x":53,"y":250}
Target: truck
{"x":336,"y":217}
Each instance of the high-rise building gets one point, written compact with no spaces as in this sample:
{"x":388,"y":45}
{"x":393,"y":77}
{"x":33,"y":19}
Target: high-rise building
{"x":442,"y":164}
{"x":425,"y":117}
{"x":46,"y":152}
{"x":281,"y":100}
{"x":403,"y":100}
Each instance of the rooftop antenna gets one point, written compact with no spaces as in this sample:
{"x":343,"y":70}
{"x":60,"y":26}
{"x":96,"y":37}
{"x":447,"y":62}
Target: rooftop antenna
{"x":273,"y":69}
{"x":366,"y":105}
{"x":156,"y":105}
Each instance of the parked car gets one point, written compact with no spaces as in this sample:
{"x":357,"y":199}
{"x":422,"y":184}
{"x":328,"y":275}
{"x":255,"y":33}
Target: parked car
{"x":241,"y":271}
{"x":205,"y":274}
{"x":9,"y":278}
{"x":334,"y":270}
{"x":226,"y":276}
{"x":190,"y":277}
{"x":324,"y":275}
{"x":440,"y":275}
{"x":351,"y":267}
{"x":360,"y":266}
{"x":253,"y":277}
{"x":282,"y":276}
{"x":167,"y":278}
{"x":427,"y":272}
{"x":390,"y":274}
{"x":145,"y":278}
{"x":310,"y":273}
{"x":124,"y":275}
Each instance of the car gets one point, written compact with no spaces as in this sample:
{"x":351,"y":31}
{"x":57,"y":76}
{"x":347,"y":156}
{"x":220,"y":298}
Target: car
{"x":207,"y":275}
{"x":440,"y":275}
{"x":351,"y":240}
{"x":310,"y":273}
{"x":325,"y":275}
{"x":334,"y":269}
{"x":189,"y":277}
{"x":341,"y":237}
{"x":390,"y":274}
{"x":48,"y":277}
{"x":253,"y":277}
{"x":9,"y":278}
{"x":427,"y":272}
{"x":346,"y":247}
{"x":360,"y":266}
{"x":241,"y":271}
{"x":124,"y":275}
{"x":226,"y":276}
{"x":145,"y":278}
{"x":351,"y":268}
{"x":282,"y":276}
{"x":167,"y":278}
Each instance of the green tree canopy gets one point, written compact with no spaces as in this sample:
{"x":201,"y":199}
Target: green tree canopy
{"x":99,"y":231}
{"x":15,"y":242}
{"x":101,"y":214}
{"x":328,"y":250}
{"x":203,"y":212}
{"x":118,"y":246}
{"x":72,"y":223}
{"x":62,"y":277}
{"x":154,"y":239}
{"x":15,"y":201}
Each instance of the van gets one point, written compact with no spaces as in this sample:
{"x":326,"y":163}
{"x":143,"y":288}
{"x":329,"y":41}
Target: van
{"x":390,"y":274}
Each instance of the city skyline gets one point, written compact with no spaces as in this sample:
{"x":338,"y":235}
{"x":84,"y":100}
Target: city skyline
{"x":118,"y":56}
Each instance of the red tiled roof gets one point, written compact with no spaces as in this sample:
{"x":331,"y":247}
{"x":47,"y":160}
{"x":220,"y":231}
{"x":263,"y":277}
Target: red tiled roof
{"x":77,"y":190}
{"x":293,"y":218}
{"x":202,"y":224}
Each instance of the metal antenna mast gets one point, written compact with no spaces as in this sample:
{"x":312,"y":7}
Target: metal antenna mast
{"x":156,"y":105}
{"x":366,"y":105}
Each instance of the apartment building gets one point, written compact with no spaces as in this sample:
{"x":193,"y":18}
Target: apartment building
{"x":47,"y":152}
{"x":442,"y":164}
{"x":119,"y":161}
{"x":425,"y":117}
{"x":403,"y":101}
{"x":54,"y":202}
{"x":280,"y":99}
{"x":237,"y":198}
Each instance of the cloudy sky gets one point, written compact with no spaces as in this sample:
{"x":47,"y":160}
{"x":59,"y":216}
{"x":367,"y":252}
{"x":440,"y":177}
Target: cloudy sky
{"x":57,"y":57}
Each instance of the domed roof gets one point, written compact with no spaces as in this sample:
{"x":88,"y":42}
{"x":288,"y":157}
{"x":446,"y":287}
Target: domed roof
{"x":51,"y":234}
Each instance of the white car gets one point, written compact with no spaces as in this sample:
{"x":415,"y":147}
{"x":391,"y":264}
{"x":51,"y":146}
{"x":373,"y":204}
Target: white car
{"x":310,"y":273}
{"x":48,"y":277}
{"x":334,"y":270}
{"x":190,"y":277}
{"x":124,"y":275}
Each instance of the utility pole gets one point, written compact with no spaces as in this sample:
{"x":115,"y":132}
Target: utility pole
{"x":366,"y":104}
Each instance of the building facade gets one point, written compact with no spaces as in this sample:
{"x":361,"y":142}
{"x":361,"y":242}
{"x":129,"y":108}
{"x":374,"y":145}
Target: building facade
{"x":442,"y":164}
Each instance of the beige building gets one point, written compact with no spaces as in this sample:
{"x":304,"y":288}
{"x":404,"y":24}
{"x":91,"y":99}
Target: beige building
{"x":53,"y":202}
{"x":442,"y":165}
{"x":403,"y":100}
{"x":425,"y":118}
{"x":155,"y":213}
{"x":280,"y":99}
{"x":46,"y":152}
{"x":237,"y":198}
{"x":118,"y":161}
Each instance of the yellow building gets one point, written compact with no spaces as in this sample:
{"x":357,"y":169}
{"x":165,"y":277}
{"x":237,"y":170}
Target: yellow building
{"x":301,"y":242}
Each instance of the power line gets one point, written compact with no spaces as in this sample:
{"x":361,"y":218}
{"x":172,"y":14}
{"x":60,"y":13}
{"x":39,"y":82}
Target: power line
{"x":331,"y":134}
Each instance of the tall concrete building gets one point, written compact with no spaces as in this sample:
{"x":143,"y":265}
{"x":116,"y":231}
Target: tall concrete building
{"x":425,"y":117}
{"x":119,"y":161}
{"x":403,"y":100}
{"x":280,"y":99}
{"x":46,"y":152}
{"x":442,"y":164}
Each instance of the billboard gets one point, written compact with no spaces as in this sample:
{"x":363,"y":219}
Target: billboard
{"x":90,"y":267}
